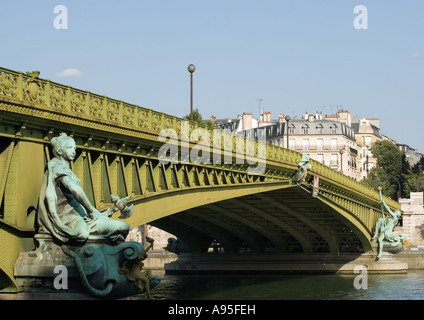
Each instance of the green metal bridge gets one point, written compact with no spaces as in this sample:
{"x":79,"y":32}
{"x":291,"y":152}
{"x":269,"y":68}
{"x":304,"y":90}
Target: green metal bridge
{"x":119,"y":152}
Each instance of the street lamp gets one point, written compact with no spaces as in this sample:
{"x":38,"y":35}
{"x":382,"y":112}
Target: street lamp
{"x":287,"y":119}
{"x":341,"y":160}
{"x":399,"y":193}
{"x":191,"y":68}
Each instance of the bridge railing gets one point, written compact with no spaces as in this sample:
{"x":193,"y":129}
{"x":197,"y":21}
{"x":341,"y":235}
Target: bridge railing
{"x":27,"y":87}
{"x":61,"y":98}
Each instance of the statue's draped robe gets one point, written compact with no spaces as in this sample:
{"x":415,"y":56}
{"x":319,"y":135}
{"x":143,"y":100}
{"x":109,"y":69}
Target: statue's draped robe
{"x":62,"y":216}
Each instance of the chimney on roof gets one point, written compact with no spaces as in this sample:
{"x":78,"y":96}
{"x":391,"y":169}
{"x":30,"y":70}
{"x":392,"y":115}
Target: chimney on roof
{"x":246,"y":121}
{"x":267,"y":116}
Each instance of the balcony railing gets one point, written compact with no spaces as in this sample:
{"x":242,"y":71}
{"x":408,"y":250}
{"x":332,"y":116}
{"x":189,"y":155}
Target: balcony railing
{"x":318,"y":148}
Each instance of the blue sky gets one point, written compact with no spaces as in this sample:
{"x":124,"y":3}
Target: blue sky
{"x":297,"y":55}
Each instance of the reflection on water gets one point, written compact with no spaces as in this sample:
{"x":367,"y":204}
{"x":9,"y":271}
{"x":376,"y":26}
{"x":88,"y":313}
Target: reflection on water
{"x":287,"y":287}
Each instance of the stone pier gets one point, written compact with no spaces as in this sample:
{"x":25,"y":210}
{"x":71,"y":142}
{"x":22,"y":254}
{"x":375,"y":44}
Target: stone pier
{"x":413,"y":220}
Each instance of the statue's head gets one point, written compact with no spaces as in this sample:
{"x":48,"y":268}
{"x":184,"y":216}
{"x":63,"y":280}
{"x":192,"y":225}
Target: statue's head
{"x":63,"y":145}
{"x":397,"y":213}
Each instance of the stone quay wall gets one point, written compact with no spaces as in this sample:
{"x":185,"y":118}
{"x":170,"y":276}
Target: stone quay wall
{"x":413,"y":220}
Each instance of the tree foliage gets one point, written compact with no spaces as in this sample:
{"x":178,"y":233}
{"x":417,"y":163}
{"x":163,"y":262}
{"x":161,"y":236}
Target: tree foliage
{"x":392,"y":172}
{"x":197,"y":117}
{"x":389,"y":157}
{"x":413,"y":176}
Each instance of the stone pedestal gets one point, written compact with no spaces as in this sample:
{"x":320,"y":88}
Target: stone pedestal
{"x":92,"y":268}
{"x":35,"y":270}
{"x":386,"y":264}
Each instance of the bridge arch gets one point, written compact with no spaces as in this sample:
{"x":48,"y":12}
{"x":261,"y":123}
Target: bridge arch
{"x":286,"y":215}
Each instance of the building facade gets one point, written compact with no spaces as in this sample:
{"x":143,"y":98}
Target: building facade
{"x":341,"y":141}
{"x":367,"y":133}
{"x":328,"y":141}
{"x":412,"y":155}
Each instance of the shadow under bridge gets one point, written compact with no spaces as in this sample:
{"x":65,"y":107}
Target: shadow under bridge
{"x":273,"y":217}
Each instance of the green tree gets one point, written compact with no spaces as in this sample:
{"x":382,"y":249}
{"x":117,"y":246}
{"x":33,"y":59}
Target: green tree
{"x":377,"y":177}
{"x":389,"y":173}
{"x":197,"y":117}
{"x":388,"y":156}
{"x":412,"y":177}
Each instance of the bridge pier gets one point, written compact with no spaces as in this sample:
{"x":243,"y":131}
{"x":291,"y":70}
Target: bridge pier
{"x":92,"y":269}
{"x":284,"y":263}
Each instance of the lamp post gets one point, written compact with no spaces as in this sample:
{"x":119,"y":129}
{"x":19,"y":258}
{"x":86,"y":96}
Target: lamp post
{"x":399,"y":193}
{"x":191,"y":68}
{"x":341,"y":160}
{"x":287,"y":119}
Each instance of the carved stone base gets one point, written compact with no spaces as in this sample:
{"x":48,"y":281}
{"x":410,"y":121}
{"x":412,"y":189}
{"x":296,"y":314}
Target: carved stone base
{"x":91,"y":268}
{"x":386,"y":264}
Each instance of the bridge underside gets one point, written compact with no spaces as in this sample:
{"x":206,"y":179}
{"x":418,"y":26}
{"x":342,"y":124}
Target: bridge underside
{"x":287,"y":220}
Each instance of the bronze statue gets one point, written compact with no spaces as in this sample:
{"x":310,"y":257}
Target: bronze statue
{"x":65,"y":212}
{"x":384,"y":230}
{"x":302,"y":172}
{"x":134,"y":270}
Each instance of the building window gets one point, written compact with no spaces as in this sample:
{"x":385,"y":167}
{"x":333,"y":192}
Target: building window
{"x":305,"y":129}
{"x":320,"y":158}
{"x":333,"y":144}
{"x":320,"y":144}
{"x":333,"y":129}
{"x":353,"y":162}
{"x":291,"y":144}
{"x":334,"y":159}
{"x":305,"y":144}
{"x":368,"y":141}
{"x":320,"y":129}
{"x":291,"y":129}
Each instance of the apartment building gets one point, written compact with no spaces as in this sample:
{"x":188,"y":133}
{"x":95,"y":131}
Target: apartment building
{"x":367,"y":132}
{"x":330,"y":142}
{"x":326,"y":140}
{"x":412,"y":155}
{"x":341,"y":141}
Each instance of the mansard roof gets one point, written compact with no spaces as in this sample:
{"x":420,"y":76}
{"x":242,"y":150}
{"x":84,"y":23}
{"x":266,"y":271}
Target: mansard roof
{"x":316,"y":127}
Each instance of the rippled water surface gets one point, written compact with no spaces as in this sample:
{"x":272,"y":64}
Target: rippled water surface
{"x":408,"y":286}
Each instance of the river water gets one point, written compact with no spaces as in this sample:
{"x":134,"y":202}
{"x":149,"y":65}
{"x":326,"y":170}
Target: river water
{"x":227,"y":287}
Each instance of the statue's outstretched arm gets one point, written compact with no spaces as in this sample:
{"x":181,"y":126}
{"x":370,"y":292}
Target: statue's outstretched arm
{"x":388,"y":209}
{"x":79,"y":195}
{"x":150,"y":246}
